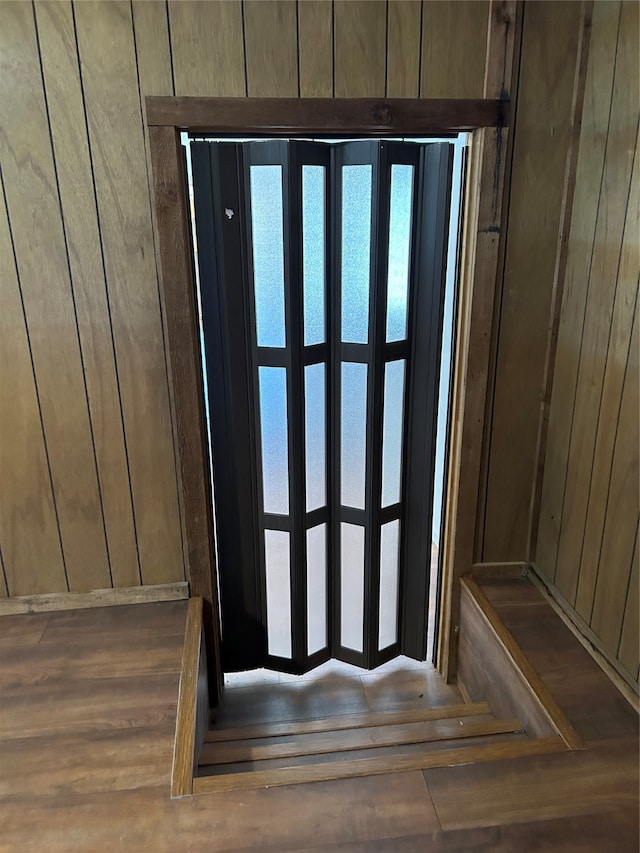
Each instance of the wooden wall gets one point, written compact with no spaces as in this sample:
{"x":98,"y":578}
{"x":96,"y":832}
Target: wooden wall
{"x":89,"y":492}
{"x":587,"y":542}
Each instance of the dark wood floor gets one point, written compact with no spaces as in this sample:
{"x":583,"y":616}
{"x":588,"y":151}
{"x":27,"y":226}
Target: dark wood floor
{"x":87,"y":708}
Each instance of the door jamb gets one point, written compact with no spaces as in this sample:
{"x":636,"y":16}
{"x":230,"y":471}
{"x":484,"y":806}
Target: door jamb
{"x":488,"y":121}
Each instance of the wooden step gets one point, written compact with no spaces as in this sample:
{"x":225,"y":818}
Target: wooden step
{"x":367,"y":737}
{"x":352,"y":768}
{"x":340,"y":723}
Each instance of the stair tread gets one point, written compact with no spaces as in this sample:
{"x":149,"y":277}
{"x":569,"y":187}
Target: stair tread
{"x":351,"y":721}
{"x":346,"y":740}
{"x":425,"y":758}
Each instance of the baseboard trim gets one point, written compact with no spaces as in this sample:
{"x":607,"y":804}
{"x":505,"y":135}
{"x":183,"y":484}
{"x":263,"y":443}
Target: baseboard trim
{"x":587,"y":638}
{"x":94,"y":598}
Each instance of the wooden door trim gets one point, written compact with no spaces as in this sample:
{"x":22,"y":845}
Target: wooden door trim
{"x":321,"y":116}
{"x":486,"y":118}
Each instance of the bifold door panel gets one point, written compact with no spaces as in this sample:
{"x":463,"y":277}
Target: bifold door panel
{"x":322,"y":270}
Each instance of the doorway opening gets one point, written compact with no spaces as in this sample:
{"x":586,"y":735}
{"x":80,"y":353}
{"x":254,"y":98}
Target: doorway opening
{"x":326,"y":275}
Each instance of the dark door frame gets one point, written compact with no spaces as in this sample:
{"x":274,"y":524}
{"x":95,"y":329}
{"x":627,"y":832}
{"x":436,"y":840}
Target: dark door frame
{"x":487,"y":120}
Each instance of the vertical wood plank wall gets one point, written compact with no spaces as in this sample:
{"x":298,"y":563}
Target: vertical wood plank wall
{"x":89,"y":489}
{"x":587,"y":545}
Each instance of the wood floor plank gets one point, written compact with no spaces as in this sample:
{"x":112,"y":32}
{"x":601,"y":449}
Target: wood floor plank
{"x":373,"y":766}
{"x":353,"y":721}
{"x":21,"y":631}
{"x":365,"y":738}
{"x":536,"y":788}
{"x":147,"y":820}
{"x":83,"y":705}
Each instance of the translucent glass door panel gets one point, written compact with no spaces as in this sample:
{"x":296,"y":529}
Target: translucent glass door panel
{"x":351,"y":586}
{"x":392,"y":428}
{"x":399,"y":251}
{"x":316,"y":589}
{"x":313,"y":253}
{"x":353,"y":434}
{"x":278,"y":572}
{"x":268,"y":254}
{"x":274,"y":434}
{"x":389,"y":576}
{"x":356,"y":253}
{"x":315,"y":435}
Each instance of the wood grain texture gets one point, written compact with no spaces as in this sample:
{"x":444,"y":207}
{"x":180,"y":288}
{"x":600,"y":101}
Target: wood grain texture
{"x":598,"y":88}
{"x":521,"y":667}
{"x":315,"y":47}
{"x":153,"y":49}
{"x":478,"y":282}
{"x":354,"y":739}
{"x":271,"y":39}
{"x":454,"y":48}
{"x":603,"y":283}
{"x":594,"y":344}
{"x":621,"y":518}
{"x":581,"y":801}
{"x":359,"y":48}
{"x":615,"y":673}
{"x":535,"y":788}
{"x":283,"y":116}
{"x":181,"y":315}
{"x":28,"y":523}
{"x":353,"y":721}
{"x":33,"y":204}
{"x":403,"y":48}
{"x":185,"y":744}
{"x":208,"y":48}
{"x":545,"y":93}
{"x":621,"y":352}
{"x":94,"y":598}
{"x":70,"y":147}
{"x":629,"y":646}
{"x":354,"y":768}
{"x":105,"y":38}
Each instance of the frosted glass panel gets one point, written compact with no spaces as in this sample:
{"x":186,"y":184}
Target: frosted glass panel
{"x":389,"y":558}
{"x":356,"y":245}
{"x":351,"y":586}
{"x":273,"y":427}
{"x":315,"y":438}
{"x":313,"y":253}
{"x":268,"y":254}
{"x":392,"y":431}
{"x":316,"y":588}
{"x":353,"y":434}
{"x":399,"y":251}
{"x":278,"y":570}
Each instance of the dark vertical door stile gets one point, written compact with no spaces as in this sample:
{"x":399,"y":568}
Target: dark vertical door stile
{"x":322,"y":273}
{"x":427,"y":309}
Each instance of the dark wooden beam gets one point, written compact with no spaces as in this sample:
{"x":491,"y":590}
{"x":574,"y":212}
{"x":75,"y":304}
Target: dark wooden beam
{"x":300,"y":116}
{"x":179,"y":297}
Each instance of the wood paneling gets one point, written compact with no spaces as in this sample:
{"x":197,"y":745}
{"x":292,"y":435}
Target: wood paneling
{"x":589,"y":508}
{"x":550,"y":50}
{"x":33,"y":204}
{"x":454,"y":48}
{"x":315,"y":46}
{"x":403,"y":48}
{"x":359,"y":49}
{"x":271,"y":38}
{"x":207,"y":46}
{"x":71,"y":151}
{"x":28,"y":523}
{"x":105,"y":39}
